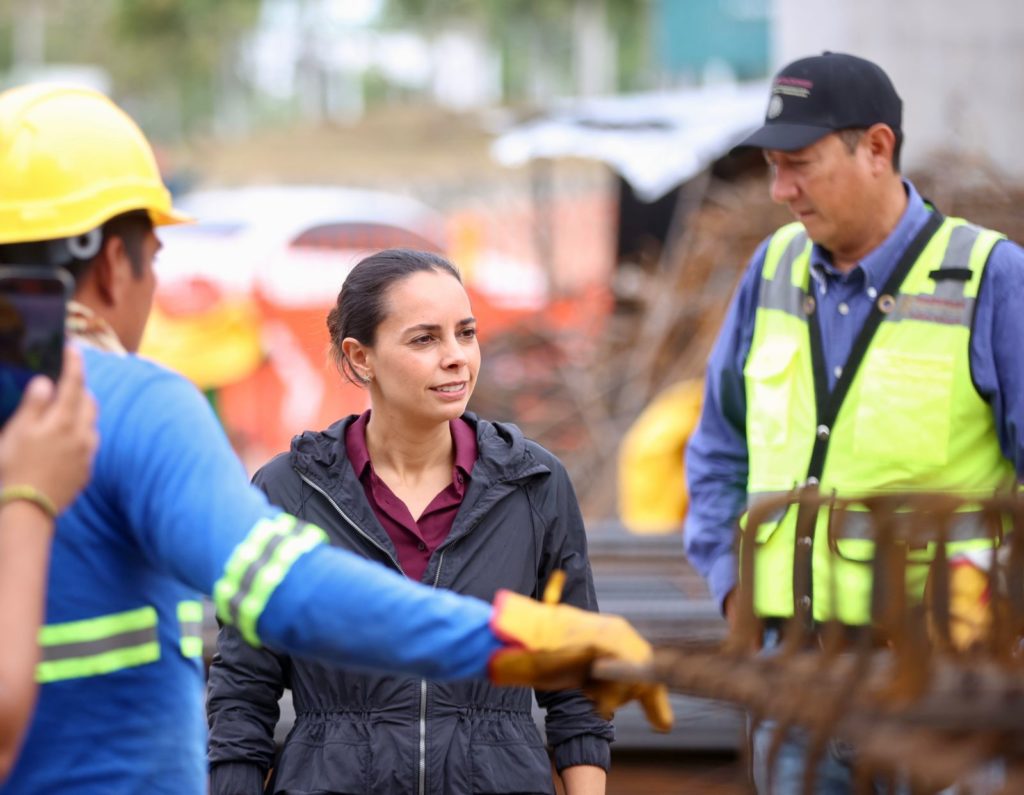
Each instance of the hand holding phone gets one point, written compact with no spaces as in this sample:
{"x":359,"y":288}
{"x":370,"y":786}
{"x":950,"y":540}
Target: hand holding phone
{"x":33,"y":305}
{"x":50,"y":440}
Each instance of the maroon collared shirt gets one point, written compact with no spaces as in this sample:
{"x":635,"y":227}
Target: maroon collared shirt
{"x":414,"y":540}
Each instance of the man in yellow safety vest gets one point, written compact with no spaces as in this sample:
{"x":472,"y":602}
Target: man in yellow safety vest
{"x":873,"y":345}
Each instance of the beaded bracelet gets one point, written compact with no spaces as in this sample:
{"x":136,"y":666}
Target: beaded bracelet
{"x":28,"y":494}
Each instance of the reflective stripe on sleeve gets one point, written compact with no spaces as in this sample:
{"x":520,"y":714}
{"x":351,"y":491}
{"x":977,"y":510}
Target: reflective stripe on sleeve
{"x":190,"y":622}
{"x":95,"y":646}
{"x":257,"y":566}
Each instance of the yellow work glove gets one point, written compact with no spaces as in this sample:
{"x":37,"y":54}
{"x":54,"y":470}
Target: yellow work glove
{"x":551,"y":646}
{"x":970,"y":605}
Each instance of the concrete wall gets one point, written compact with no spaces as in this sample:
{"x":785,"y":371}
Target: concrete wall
{"x":957,"y":64}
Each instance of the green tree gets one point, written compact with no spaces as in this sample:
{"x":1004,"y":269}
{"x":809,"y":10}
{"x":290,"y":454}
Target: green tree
{"x":537,"y":39}
{"x":170,"y":61}
{"x":184,"y":51}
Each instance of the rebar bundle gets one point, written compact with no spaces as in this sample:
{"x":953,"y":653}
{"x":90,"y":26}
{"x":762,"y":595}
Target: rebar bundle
{"x":908,"y":694}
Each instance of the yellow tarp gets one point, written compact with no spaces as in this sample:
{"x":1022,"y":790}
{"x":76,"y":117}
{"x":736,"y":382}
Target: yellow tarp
{"x":652,"y":485}
{"x":212,"y":348}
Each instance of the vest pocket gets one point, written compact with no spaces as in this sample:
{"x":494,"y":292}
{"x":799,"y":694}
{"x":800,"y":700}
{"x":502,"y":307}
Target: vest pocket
{"x":851,"y":536}
{"x":769,"y":386}
{"x":904,"y":407}
{"x":766,"y":529}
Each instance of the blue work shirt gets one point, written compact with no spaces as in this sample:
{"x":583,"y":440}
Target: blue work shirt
{"x":166,"y":508}
{"x":716,"y":458}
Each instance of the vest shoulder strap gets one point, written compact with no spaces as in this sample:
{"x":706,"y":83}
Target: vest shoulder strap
{"x":785,"y":244}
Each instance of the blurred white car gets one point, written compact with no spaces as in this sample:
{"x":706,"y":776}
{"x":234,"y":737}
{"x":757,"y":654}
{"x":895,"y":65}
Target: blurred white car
{"x":292,"y":244}
{"x":244,"y":292}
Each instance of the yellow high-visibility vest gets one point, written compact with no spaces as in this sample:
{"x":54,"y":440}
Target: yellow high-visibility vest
{"x":904,"y":416}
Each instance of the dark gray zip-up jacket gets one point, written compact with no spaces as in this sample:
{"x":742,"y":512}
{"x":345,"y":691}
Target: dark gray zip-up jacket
{"x":360,"y":732}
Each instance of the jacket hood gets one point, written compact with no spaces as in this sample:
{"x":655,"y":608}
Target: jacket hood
{"x":504,"y":453}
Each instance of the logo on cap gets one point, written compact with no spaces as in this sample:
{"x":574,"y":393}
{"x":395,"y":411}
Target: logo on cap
{"x":793,"y":86}
{"x":814,"y":95}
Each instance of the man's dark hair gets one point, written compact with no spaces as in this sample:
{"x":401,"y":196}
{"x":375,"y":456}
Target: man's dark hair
{"x":362,"y":302}
{"x":852,"y":135}
{"x":132,"y":227}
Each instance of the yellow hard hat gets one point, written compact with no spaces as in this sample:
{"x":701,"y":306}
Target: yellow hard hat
{"x":70,"y":160}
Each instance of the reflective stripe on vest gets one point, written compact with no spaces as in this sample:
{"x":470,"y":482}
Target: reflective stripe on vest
{"x":190,"y":624}
{"x":855,"y":523}
{"x":96,"y":646}
{"x":947,"y":303}
{"x":963,"y":526}
{"x":910,"y":421}
{"x":257,"y":566}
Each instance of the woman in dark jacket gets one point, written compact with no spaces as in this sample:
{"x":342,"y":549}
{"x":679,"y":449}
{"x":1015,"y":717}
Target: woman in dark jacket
{"x":494,"y":509}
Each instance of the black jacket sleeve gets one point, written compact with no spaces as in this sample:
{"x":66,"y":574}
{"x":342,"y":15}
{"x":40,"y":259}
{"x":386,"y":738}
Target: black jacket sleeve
{"x":577,"y":734}
{"x":243,"y":689}
{"x":242,"y":693}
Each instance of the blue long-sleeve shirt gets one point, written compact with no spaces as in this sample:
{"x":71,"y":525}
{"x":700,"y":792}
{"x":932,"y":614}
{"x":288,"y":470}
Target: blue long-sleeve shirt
{"x":716,"y":458}
{"x":166,"y":509}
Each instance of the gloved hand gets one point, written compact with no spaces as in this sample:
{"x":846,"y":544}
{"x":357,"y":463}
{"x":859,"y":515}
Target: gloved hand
{"x":551,"y":646}
{"x":970,"y":604}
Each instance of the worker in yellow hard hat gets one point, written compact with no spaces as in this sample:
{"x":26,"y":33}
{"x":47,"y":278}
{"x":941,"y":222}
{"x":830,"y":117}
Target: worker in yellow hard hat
{"x":46,"y":450}
{"x":169,"y":516}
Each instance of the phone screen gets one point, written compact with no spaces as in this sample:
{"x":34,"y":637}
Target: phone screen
{"x":33,"y":303}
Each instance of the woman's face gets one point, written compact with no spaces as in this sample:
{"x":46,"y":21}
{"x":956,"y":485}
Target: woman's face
{"x":425,"y":360}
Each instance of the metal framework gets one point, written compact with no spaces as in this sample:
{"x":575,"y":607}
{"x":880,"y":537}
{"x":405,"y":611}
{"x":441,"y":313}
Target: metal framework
{"x":907,"y":698}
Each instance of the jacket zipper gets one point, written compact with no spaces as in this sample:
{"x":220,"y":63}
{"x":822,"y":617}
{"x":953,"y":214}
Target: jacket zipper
{"x":423,"y":702}
{"x":354,"y":526}
{"x":437,"y":579}
{"x":423,"y":682}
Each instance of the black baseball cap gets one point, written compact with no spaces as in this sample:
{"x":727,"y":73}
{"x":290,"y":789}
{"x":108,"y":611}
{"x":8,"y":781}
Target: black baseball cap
{"x":818,"y":95}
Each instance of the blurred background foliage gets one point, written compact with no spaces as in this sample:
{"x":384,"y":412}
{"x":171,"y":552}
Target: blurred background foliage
{"x":188,"y":66}
{"x":541,"y":35}
{"x":168,"y":60}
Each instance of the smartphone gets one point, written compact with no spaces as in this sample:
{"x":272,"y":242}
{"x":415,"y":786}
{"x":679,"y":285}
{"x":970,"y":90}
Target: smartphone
{"x":33,"y":305}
